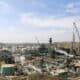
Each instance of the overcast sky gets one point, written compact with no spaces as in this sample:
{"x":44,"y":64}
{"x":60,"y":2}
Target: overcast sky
{"x":32,"y":20}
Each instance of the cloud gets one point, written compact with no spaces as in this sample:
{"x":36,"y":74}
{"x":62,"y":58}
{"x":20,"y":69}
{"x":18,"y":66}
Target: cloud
{"x":30,"y":37}
{"x":5,"y":8}
{"x":18,"y":33}
{"x":38,"y":4}
{"x":73,"y":7}
{"x":48,"y":21}
{"x":13,"y":36}
{"x":30,"y":19}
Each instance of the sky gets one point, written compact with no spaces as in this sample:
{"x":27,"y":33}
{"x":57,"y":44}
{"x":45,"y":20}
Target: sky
{"x":30,"y":21}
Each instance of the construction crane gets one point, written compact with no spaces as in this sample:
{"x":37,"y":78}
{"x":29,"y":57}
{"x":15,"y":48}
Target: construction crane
{"x":77,"y":31}
{"x":73,"y":41}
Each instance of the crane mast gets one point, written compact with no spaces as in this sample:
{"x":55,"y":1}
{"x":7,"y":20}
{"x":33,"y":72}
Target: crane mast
{"x":73,"y":42}
{"x":77,"y":31}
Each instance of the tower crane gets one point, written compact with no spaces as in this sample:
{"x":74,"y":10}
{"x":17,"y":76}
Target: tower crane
{"x":77,"y":31}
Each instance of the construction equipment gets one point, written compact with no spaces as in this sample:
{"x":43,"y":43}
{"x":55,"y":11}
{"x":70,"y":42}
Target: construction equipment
{"x":77,"y":31}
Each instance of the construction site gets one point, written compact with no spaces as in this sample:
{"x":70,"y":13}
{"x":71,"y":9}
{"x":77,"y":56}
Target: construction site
{"x":51,"y":61}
